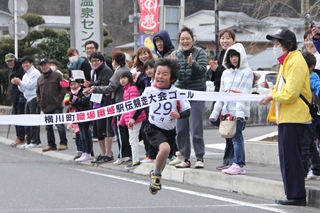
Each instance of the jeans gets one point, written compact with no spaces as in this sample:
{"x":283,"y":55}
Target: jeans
{"x":85,"y":135}
{"x":238,"y":144}
{"x":61,"y":130}
{"x":33,"y":132}
{"x":17,"y":109}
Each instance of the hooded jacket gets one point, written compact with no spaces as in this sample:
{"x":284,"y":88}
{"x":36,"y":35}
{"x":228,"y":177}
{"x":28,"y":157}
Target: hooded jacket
{"x":235,"y":80}
{"x":168,"y":48}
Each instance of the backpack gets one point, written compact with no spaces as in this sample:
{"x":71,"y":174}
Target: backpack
{"x":314,"y":105}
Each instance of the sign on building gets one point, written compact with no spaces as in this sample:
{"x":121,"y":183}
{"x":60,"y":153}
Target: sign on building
{"x":86,"y":23}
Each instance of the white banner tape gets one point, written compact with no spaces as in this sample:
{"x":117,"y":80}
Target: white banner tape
{"x":120,"y":108}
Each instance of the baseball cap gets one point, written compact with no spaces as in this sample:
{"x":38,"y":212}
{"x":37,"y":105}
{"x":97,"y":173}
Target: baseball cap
{"x":283,"y":34}
{"x":44,"y":60}
{"x":9,"y":56}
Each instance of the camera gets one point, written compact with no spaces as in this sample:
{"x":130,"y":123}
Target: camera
{"x":308,"y":18}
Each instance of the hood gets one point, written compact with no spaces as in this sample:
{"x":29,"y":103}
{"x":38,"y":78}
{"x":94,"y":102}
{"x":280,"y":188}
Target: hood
{"x":243,"y":56}
{"x":167,"y":44}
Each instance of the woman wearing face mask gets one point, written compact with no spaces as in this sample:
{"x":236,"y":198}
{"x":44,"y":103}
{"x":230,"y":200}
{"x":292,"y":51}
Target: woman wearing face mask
{"x":78,"y":63}
{"x":54,"y":66}
{"x":291,"y":113}
{"x":192,"y":75}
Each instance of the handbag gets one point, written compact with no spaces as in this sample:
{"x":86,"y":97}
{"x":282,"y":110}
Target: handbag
{"x":228,"y":126}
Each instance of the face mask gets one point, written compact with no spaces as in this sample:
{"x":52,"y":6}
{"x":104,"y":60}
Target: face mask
{"x":278,"y":51}
{"x":53,"y":68}
{"x":73,"y":59}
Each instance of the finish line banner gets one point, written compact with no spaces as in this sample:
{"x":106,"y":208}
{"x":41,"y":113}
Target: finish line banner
{"x":123,"y":107}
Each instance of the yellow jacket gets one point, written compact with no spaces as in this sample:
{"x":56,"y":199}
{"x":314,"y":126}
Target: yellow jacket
{"x":292,"y":109}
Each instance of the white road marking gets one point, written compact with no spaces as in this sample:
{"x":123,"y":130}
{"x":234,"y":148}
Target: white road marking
{"x":224,"y":199}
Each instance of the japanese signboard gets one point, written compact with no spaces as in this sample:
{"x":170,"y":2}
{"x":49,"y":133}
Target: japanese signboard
{"x":87,"y":23}
{"x":149,"y":22}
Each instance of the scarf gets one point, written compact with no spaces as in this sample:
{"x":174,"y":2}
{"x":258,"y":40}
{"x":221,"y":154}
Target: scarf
{"x":77,"y":65}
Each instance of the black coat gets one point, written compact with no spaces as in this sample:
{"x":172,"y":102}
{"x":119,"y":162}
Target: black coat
{"x":15,"y":94}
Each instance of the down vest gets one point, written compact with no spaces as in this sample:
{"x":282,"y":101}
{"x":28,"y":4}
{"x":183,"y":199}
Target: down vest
{"x":192,"y":77}
{"x":130,"y":92}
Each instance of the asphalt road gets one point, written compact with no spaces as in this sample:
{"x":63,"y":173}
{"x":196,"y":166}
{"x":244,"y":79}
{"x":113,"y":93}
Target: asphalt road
{"x":30,"y":182}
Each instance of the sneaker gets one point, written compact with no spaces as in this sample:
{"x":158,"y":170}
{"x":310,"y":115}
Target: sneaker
{"x":79,"y":153}
{"x":33,"y":145}
{"x":23,"y":146}
{"x":95,"y":139}
{"x":114,"y":139}
{"x":177,"y":160}
{"x":118,"y":161}
{"x":131,"y":166}
{"x":223,"y":166}
{"x":234,"y":169}
{"x":155,"y":181}
{"x":147,"y":160}
{"x":84,"y":157}
{"x":126,"y":159}
{"x":108,"y":158}
{"x":199,"y":164}
{"x":97,"y":159}
{"x":312,"y":176}
{"x":183,"y":164}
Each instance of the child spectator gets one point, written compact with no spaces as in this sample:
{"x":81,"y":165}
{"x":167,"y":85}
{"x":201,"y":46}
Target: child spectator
{"x":309,"y":149}
{"x":237,"y":77}
{"x":72,"y":126}
{"x":151,"y":153}
{"x":130,"y":92}
{"x":81,"y":102}
{"x":161,"y":131}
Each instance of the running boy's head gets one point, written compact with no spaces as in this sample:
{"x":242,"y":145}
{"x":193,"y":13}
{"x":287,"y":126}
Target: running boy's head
{"x":166,"y":72}
{"x":74,"y":83}
{"x":311,"y":60}
{"x":148,"y":67}
{"x":126,"y":78}
{"x":233,"y":59}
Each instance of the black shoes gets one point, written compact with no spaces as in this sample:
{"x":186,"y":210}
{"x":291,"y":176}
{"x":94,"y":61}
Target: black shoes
{"x":292,"y":202}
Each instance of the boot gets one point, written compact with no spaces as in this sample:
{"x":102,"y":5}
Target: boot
{"x":177,"y":160}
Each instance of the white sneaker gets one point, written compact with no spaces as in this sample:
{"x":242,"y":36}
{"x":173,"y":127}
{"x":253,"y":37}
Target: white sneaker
{"x":311,"y":176}
{"x":199,"y":165}
{"x":32,"y":145}
{"x":126,"y":159}
{"x":118,"y":161}
{"x":84,"y":157}
{"x":177,"y":160}
{"x":114,"y":139}
{"x":23,"y":146}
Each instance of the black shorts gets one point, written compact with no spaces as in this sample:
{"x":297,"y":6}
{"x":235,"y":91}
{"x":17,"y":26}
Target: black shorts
{"x":102,"y":128}
{"x":156,"y":135}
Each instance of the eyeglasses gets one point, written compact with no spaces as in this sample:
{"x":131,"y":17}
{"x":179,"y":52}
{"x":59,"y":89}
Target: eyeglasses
{"x":90,"y":48}
{"x":159,"y":41}
{"x":95,"y":61}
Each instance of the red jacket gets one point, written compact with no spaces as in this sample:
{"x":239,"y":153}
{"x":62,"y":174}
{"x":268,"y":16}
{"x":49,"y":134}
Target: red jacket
{"x":130,"y":92}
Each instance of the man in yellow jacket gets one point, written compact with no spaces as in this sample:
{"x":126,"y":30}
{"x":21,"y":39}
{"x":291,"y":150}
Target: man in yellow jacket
{"x":291,"y":113}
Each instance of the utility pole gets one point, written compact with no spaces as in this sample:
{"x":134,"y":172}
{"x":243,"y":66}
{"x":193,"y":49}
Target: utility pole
{"x":216,"y":22}
{"x":135,"y":20}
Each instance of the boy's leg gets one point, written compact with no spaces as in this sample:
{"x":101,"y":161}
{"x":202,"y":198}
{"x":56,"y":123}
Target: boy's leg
{"x":161,"y":159}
